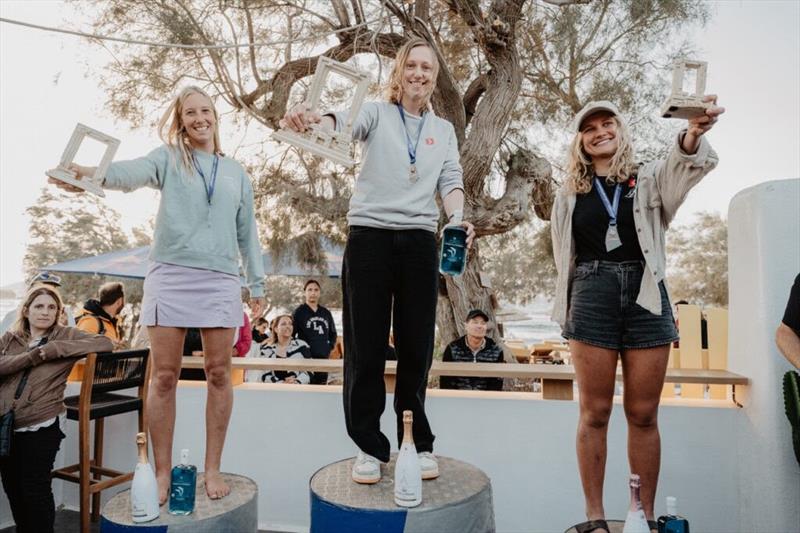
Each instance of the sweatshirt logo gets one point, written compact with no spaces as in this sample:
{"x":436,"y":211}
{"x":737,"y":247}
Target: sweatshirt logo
{"x":429,"y":141}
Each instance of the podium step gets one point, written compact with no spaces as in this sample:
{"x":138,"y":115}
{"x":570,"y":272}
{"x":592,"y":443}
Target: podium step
{"x":235,"y":513}
{"x":460,"y":499}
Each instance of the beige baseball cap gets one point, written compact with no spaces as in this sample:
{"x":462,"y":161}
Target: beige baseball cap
{"x":591,"y":108}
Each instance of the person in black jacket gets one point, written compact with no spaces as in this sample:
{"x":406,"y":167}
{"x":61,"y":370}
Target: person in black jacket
{"x":314,"y":324}
{"x":474,"y":347}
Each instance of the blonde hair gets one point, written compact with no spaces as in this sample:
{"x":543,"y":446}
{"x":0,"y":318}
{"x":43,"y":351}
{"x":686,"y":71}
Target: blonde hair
{"x":22,"y":325}
{"x":580,"y":170}
{"x":273,"y":328}
{"x":173,"y":134}
{"x":394,"y":87}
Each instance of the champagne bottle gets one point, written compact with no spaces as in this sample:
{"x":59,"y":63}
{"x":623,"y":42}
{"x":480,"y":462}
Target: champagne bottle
{"x":407,"y":472}
{"x":672,"y":522}
{"x":183,"y":483}
{"x":636,"y":521}
{"x":144,"y":488}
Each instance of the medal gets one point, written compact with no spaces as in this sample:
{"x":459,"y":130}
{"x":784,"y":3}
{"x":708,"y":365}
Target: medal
{"x":612,"y":235}
{"x":413,"y":176}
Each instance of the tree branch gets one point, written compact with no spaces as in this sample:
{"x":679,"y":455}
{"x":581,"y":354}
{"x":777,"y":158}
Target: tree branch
{"x":528,"y":181}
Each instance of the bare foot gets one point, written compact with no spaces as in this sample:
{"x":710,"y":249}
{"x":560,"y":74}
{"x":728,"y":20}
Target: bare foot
{"x":216,"y":487}
{"x":163,"y":488}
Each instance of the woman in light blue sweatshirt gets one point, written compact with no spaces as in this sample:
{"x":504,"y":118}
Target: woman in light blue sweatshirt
{"x":205,"y":222}
{"x":390,"y":271}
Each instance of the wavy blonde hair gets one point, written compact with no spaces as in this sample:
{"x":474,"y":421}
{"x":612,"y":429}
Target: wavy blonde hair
{"x":173,"y":134}
{"x":580,"y":170}
{"x":394,"y":87}
{"x":22,"y":325}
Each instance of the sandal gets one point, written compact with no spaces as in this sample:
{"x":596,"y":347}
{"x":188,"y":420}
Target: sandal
{"x":653,"y":525}
{"x":592,"y":526}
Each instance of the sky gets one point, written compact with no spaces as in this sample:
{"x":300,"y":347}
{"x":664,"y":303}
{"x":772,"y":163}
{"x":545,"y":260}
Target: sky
{"x":752,"y":47}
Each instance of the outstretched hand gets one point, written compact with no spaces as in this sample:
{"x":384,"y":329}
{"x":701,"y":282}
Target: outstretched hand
{"x":299,"y":118}
{"x":79,"y":172}
{"x":699,"y":126}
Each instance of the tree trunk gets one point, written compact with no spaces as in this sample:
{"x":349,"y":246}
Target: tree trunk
{"x":458,"y":295}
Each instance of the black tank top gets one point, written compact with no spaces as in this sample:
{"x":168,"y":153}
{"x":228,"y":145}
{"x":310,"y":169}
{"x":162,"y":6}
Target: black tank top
{"x":590,"y":222}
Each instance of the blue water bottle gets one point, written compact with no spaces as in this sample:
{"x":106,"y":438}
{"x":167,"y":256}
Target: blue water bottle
{"x":453,"y":257}
{"x":182,"y":486}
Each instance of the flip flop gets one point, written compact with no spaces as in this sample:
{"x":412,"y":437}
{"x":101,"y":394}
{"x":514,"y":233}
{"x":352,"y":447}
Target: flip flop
{"x":592,"y":526}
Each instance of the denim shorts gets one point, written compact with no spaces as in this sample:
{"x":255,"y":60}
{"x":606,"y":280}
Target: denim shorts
{"x":603,"y":310}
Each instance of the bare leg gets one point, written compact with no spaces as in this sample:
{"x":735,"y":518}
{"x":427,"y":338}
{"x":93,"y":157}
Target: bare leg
{"x":217,"y":344}
{"x":644,"y":372}
{"x":595,"y":369}
{"x":166,"y":349}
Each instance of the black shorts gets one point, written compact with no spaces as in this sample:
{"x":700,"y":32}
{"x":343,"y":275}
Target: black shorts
{"x":603,"y":310}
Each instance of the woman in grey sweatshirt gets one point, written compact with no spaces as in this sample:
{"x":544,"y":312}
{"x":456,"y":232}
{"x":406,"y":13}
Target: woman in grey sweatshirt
{"x":390,"y":262}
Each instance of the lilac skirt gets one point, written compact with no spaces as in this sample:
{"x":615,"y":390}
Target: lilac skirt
{"x":184,"y":297}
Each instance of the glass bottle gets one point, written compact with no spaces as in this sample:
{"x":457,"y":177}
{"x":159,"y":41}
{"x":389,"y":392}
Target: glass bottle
{"x":453,"y":257}
{"x":672,"y":522}
{"x":407,"y":471}
{"x":183,"y":482}
{"x":144,"y":487}
{"x":635,"y":521}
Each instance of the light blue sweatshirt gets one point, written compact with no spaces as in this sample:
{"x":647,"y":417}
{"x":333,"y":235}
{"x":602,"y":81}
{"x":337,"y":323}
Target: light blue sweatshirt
{"x":384,"y":196}
{"x":190,"y":232}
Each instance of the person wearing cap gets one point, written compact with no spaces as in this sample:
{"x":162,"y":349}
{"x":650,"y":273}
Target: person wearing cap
{"x":41,"y":278}
{"x":608,"y":223}
{"x":474,"y":347}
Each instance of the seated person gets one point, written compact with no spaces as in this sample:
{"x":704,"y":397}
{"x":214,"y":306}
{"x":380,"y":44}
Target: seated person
{"x":259,"y":333}
{"x":281,"y":344}
{"x":474,"y":347}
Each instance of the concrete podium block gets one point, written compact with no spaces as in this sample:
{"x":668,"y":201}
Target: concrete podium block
{"x":235,"y":513}
{"x":460,"y":500}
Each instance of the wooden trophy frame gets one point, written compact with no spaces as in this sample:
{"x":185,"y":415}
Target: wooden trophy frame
{"x":680,"y":104}
{"x":333,"y":145}
{"x":92,"y":184}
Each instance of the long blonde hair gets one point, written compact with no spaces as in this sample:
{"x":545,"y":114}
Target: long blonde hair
{"x":580,"y":170}
{"x":22,"y":325}
{"x":173,"y":134}
{"x":394,"y":87}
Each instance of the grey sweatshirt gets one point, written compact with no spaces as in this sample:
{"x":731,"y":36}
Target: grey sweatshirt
{"x":384,"y":196}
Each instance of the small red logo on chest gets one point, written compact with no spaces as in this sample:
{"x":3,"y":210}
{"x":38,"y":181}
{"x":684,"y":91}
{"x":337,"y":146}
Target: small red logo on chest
{"x":429,"y":140}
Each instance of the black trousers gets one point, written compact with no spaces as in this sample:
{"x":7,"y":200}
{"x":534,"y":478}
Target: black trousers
{"x":26,"y":478}
{"x":389,"y":276}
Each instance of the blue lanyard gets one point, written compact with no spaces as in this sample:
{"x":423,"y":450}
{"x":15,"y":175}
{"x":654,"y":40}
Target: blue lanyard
{"x":610,"y":209}
{"x":209,"y":186}
{"x":412,"y":148}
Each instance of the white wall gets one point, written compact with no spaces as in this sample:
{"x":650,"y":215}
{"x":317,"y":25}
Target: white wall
{"x":763,"y":260}
{"x":281,"y":435}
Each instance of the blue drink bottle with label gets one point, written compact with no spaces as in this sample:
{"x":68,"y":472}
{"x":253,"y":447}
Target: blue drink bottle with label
{"x":453,"y":257}
{"x":182,"y":486}
{"x":672,"y":522}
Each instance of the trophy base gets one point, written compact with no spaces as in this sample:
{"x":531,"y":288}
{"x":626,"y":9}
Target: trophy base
{"x":685,"y":109}
{"x":68,"y":177}
{"x":299,"y":141}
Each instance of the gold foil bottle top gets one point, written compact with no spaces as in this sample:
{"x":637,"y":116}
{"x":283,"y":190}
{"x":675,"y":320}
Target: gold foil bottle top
{"x":141,"y":438}
{"x":408,"y":417}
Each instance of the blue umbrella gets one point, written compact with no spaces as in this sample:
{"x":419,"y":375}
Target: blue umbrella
{"x":133,"y":264}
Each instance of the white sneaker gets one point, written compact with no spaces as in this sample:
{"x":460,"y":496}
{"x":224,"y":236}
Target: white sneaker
{"x":429,"y":465}
{"x":366,"y":469}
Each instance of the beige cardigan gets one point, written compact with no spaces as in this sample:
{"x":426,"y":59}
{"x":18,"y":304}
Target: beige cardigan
{"x":661,"y":188}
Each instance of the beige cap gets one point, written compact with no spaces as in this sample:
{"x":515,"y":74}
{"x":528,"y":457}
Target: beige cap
{"x":590,"y":108}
